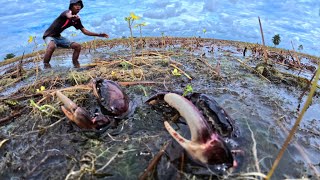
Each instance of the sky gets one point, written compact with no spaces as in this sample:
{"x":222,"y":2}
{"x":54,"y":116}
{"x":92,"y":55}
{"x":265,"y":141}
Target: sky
{"x":296,"y":21}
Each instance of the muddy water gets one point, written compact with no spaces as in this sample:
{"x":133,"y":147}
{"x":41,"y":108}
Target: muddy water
{"x":124,"y":152}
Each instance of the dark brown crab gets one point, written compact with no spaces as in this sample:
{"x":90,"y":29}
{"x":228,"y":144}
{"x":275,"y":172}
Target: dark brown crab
{"x":114,"y":104}
{"x":112,"y":100}
{"x":206,"y":145}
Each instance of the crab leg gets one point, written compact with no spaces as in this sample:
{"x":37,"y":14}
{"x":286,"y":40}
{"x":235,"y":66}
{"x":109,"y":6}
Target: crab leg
{"x":76,"y":114}
{"x":68,"y":104}
{"x":204,"y":146}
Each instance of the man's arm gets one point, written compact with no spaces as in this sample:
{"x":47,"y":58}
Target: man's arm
{"x":89,"y":33}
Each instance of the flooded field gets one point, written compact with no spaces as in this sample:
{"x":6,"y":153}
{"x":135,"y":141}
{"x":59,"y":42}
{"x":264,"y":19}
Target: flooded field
{"x":39,"y":142}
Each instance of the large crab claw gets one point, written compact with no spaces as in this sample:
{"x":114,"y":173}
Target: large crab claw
{"x":77,"y":114}
{"x":204,"y":146}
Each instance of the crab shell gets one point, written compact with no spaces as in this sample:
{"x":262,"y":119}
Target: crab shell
{"x":205,"y":145}
{"x":221,"y":122}
{"x":112,"y":100}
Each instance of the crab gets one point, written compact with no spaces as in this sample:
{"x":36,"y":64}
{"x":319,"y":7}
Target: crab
{"x":208,"y":126}
{"x":114,"y":105}
{"x":111,"y":98}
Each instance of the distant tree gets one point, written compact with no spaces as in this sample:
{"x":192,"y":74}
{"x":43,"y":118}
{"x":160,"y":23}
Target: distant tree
{"x":300,"y":48}
{"x":9,"y":56}
{"x":276,"y":39}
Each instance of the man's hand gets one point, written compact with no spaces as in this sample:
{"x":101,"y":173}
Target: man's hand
{"x":71,"y":16}
{"x":76,"y":16}
{"x":104,"y":35}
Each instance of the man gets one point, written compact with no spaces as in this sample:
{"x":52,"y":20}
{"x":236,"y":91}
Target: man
{"x":53,"y":38}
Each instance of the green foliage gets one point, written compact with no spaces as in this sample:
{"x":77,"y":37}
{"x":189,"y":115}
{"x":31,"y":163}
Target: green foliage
{"x":204,"y":30}
{"x":300,"y":48}
{"x":11,"y":102}
{"x":9,"y":56}
{"x":46,"y":109}
{"x":188,"y":89}
{"x":140,"y":27}
{"x":175,"y":72}
{"x":125,"y":65}
{"x":130,"y":19}
{"x":276,"y":39}
{"x":42,"y":88}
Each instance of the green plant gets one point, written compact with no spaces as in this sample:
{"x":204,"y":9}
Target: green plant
{"x":47,"y":109}
{"x":276,"y":39}
{"x":140,"y":27}
{"x":188,"y":89}
{"x":9,"y":56}
{"x":143,"y":88}
{"x":300,"y":48}
{"x":204,"y":32}
{"x":162,"y":39}
{"x":125,"y":65}
{"x":33,"y":39}
{"x":42,"y":88}
{"x":130,"y":19}
{"x":175,"y":72}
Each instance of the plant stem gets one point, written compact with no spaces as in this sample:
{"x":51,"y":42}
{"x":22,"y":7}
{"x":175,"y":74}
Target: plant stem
{"x":264,"y":45}
{"x":296,"y":125}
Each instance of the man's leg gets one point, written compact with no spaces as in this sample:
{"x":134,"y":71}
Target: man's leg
{"x":47,"y":56}
{"x":77,"y":48}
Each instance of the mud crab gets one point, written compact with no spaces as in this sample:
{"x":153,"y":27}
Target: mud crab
{"x":208,"y":124}
{"x":114,"y":104}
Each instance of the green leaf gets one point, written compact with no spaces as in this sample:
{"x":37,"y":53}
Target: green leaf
{"x":204,"y":30}
{"x":175,"y":72}
{"x":140,"y":25}
{"x":127,"y":18}
{"x":187,"y":89}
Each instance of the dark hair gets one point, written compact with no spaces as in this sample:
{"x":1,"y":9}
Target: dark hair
{"x":72,"y":2}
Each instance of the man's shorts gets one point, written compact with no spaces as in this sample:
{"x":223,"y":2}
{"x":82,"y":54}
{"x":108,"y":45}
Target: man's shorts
{"x":59,"y":41}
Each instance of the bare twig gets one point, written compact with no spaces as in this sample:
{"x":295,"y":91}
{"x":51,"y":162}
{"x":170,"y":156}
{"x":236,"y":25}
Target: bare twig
{"x":154,"y":162}
{"x":295,"y":55}
{"x":210,"y":67}
{"x":11,"y":116}
{"x":254,"y":149}
{"x":265,"y":55}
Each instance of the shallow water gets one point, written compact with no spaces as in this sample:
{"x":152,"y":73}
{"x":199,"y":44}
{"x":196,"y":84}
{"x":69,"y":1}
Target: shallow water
{"x":125,"y":152}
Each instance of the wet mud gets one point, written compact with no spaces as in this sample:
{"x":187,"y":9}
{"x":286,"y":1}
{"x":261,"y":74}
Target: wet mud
{"x":41,"y":143}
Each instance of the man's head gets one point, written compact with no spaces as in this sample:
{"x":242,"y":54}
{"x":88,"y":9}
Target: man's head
{"x":75,"y":3}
